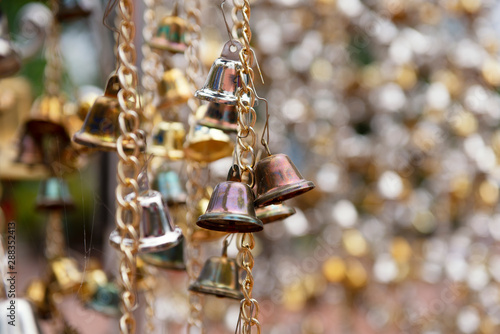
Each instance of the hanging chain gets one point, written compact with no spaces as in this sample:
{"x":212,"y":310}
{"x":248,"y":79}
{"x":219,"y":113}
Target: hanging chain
{"x":128,"y":211}
{"x":194,"y":70}
{"x":53,"y":67}
{"x":54,"y":239}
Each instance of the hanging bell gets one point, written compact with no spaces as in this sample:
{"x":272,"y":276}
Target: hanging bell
{"x":223,"y":78}
{"x":10,"y":61}
{"x":54,"y":194}
{"x":277,"y":179}
{"x":106,"y":300}
{"x":171,"y":34}
{"x":167,"y":139}
{"x":167,"y":182}
{"x":172,"y":258}
{"x":66,"y":278}
{"x":274,"y":212}
{"x":46,"y":116}
{"x":156,"y":229}
{"x":219,"y":277}
{"x":68,"y":10}
{"x":173,"y":89}
{"x":101,"y":128}
{"x":220,"y":116}
{"x":19,"y":317}
{"x":202,"y":234}
{"x":30,"y":151}
{"x":231,"y":209}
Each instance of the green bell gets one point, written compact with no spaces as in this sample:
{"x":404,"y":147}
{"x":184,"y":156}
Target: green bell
{"x":54,"y":194}
{"x":106,"y":300}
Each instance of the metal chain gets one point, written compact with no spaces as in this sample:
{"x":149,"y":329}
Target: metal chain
{"x":53,"y":67}
{"x":194,"y":70}
{"x":128,"y":211}
{"x":55,"y":242}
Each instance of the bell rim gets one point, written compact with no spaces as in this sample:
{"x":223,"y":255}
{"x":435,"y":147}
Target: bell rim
{"x":216,"y":97}
{"x":162,"y":242}
{"x":287,"y":211}
{"x":55,"y":205}
{"x":283,"y":193}
{"x":92,"y":141}
{"x":220,"y":292}
{"x":147,"y":259}
{"x":33,"y":125}
{"x":213,"y":221}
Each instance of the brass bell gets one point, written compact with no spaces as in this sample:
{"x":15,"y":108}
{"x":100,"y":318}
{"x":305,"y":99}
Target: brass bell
{"x":202,"y":234}
{"x":167,"y":140}
{"x":277,"y":179}
{"x":66,"y":278}
{"x":172,"y":258}
{"x":93,"y":278}
{"x":156,"y":231}
{"x":68,"y":10}
{"x":106,"y":300}
{"x":274,"y":212}
{"x":10,"y":61}
{"x":219,"y":277}
{"x":167,"y":182}
{"x":173,"y":89}
{"x":220,"y":116}
{"x":46,"y":116}
{"x":101,"y":128}
{"x":19,"y":318}
{"x":231,"y":209}
{"x":30,"y":151}
{"x":223,"y":78}
{"x":171,"y":34}
{"x":54,"y":194}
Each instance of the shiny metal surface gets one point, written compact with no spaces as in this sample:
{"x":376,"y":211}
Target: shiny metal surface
{"x":274,"y":212}
{"x":167,"y":140}
{"x":220,"y":116}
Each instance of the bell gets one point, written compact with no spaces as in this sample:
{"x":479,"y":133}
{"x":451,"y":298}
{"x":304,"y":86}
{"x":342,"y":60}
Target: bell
{"x":171,"y":34}
{"x":30,"y":151}
{"x":94,"y":277}
{"x":46,"y":116}
{"x":173,"y":89}
{"x":277,"y":179}
{"x":167,"y":182}
{"x":106,"y":300}
{"x":231,"y":209}
{"x":220,"y":116}
{"x":68,"y":10}
{"x":38,"y":294}
{"x":101,"y":128}
{"x":86,"y":98}
{"x":223,"y":78}
{"x":172,"y":258}
{"x":157,"y":232}
{"x":219,"y":277}
{"x":10,"y":61}
{"x":54,"y":194}
{"x":202,"y":234}
{"x":19,"y":317}
{"x":167,"y":139}
{"x":66,"y":277}
{"x":274,"y":212}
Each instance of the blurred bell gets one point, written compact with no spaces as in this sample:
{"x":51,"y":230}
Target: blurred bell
{"x":10,"y":61}
{"x":167,"y":182}
{"x":156,"y":231}
{"x":101,"y":128}
{"x":274,"y":212}
{"x":46,"y":116}
{"x":277,"y":179}
{"x":86,"y":98}
{"x":68,"y":10}
{"x":171,"y":33}
{"x":30,"y":151}
{"x":220,"y":116}
{"x":93,"y":278}
{"x":167,"y":139}
{"x":54,"y":194}
{"x":231,"y":209}
{"x":66,"y":277}
{"x":173,"y":89}
{"x":219,"y":277}
{"x":106,"y":300}
{"x":37,"y":293}
{"x":223,"y":79}
{"x":21,"y":320}
{"x":172,"y":258}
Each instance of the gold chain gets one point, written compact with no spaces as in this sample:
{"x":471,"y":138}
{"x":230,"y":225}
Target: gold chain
{"x":54,"y":239}
{"x":128,"y":211}
{"x":194,"y":69}
{"x":53,"y":68}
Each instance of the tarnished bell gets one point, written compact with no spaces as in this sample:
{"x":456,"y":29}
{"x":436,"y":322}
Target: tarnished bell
{"x":202,"y":234}
{"x":10,"y":61}
{"x":231,"y":209}
{"x":172,"y":258}
{"x":30,"y":151}
{"x":277,"y":179}
{"x":54,"y":194}
{"x":167,"y":182}
{"x":156,"y":231}
{"x":223,"y":79}
{"x":274,"y":212}
{"x":220,"y":116}
{"x":171,"y":34}
{"x":101,"y":128}
{"x":66,"y":278}
{"x":219,"y":277}
{"x":46,"y":116}
{"x":167,"y":140}
{"x":67,"y":10}
{"x":173,"y":89}
{"x":106,"y":300}
{"x":24,"y":318}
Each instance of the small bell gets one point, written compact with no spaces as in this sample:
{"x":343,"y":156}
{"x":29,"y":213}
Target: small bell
{"x":30,"y":151}
{"x":220,"y":116}
{"x":68,"y":10}
{"x":46,"y":116}
{"x":94,"y":277}
{"x":10,"y":61}
{"x":171,"y":34}
{"x":223,"y":79}
{"x":172,"y":258}
{"x":274,"y":212}
{"x":277,"y":179}
{"x":54,"y":194}
{"x":167,"y":182}
{"x":231,"y":209}
{"x":101,"y":128}
{"x":202,"y":234}
{"x":66,"y":277}
{"x":106,"y":300}
{"x":167,"y":140}
{"x":173,"y":89}
{"x":219,"y":277}
{"x":19,"y":317}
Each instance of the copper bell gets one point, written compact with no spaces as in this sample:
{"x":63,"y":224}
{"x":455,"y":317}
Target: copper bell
{"x":223,"y":79}
{"x":156,"y":231}
{"x":10,"y":61}
{"x":220,"y":116}
{"x":167,"y":140}
{"x":68,"y":10}
{"x":172,"y":258}
{"x":202,"y":234}
{"x":219,"y":277}
{"x":173,"y":89}
{"x":168,"y":183}
{"x":54,"y":194}
{"x":277,"y":179}
{"x":274,"y":212}
{"x":19,"y":318}
{"x":106,"y":300}
{"x":171,"y":34}
{"x":101,"y":128}
{"x":66,"y":278}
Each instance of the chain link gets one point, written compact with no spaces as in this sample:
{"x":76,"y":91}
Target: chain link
{"x":53,"y":67}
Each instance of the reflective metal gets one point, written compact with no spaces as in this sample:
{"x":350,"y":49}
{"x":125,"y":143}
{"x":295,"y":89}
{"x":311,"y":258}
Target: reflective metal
{"x":173,"y":89}
{"x":204,"y":144}
{"x":106,"y":300}
{"x":202,"y":234}
{"x":167,"y":140}
{"x":220,"y":116}
{"x":274,"y":212}
{"x":168,"y":183}
{"x":53,"y":194}
{"x":171,"y":34}
{"x":172,"y":258}
{"x":66,"y":278}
